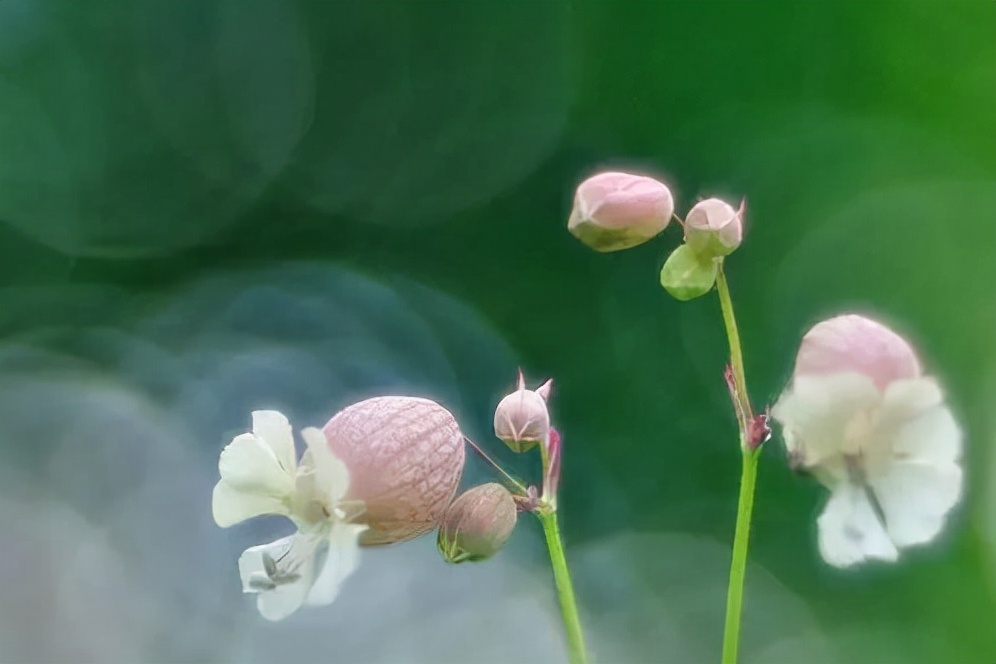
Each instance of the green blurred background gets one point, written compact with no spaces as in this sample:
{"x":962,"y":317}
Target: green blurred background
{"x":210,"y":206}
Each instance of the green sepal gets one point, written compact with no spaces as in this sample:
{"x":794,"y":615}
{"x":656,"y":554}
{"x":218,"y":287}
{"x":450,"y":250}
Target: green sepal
{"x":686,"y":275}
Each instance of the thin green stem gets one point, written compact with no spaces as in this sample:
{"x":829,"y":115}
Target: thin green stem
{"x":565,"y":590}
{"x":738,"y":565}
{"x":748,"y":478}
{"x":733,"y":335}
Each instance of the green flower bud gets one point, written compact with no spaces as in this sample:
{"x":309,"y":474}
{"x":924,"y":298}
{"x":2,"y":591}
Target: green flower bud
{"x":686,"y":275}
{"x":477,"y":524}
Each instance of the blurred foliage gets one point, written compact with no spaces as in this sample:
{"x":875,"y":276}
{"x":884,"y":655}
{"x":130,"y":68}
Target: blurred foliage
{"x":211,"y":205}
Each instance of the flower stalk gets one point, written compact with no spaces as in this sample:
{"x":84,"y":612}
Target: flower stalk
{"x":752,"y":434}
{"x":565,"y":589}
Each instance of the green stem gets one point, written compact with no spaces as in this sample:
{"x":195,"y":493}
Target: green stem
{"x":738,"y":565}
{"x":733,"y":335}
{"x":565,"y":590}
{"x":748,"y":478}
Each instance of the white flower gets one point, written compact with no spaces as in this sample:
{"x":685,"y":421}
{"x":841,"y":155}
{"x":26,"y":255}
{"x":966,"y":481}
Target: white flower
{"x":877,"y":434}
{"x":259,"y":475}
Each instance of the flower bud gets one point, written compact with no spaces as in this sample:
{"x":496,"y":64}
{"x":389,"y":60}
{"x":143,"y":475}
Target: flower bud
{"x":521,"y":419}
{"x":853,"y":343}
{"x":477,"y":524}
{"x":405,"y":456}
{"x":614,"y":211}
{"x":687,"y":275}
{"x":713,"y":228}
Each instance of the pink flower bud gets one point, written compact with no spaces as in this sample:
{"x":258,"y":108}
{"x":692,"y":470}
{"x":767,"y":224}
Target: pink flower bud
{"x":614,"y":211}
{"x":522,"y":419}
{"x":405,"y":456}
{"x":853,"y":343}
{"x":713,"y":228}
{"x":477,"y":524}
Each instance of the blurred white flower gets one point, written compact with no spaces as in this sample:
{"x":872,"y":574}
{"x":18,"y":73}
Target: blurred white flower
{"x":259,"y":475}
{"x":863,"y":419}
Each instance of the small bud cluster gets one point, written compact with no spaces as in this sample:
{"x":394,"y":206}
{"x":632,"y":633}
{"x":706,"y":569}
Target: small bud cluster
{"x":713,"y":230}
{"x":615,"y":210}
{"x":480,"y":521}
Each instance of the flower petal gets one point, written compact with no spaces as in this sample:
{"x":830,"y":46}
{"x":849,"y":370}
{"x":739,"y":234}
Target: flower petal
{"x":915,"y":497}
{"x":331,"y":474}
{"x":907,"y":399}
{"x":250,"y":465}
{"x":230,"y":505}
{"x":281,"y":572}
{"x":934,"y":436}
{"x":849,"y":529}
{"x":815,"y":411}
{"x":342,"y":559}
{"x":274,"y":429}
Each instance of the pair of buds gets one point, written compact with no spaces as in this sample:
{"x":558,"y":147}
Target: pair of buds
{"x":481,"y":520}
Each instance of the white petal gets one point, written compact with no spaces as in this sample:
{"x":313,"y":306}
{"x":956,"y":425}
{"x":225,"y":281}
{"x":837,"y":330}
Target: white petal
{"x":294,"y":557}
{"x":934,"y":437}
{"x":331,"y":474}
{"x":342,"y":560}
{"x":249,"y":464}
{"x":909,"y":397}
{"x":915,"y":497}
{"x":849,"y":529}
{"x":274,"y":429}
{"x":815,"y":411}
{"x":230,"y":505}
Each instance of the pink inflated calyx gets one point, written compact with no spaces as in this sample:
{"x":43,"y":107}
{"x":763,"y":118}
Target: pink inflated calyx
{"x":522,"y":420}
{"x":405,"y":456}
{"x":854,"y":343}
{"x":616,"y":210}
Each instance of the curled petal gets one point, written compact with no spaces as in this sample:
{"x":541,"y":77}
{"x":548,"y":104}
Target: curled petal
{"x":341,"y":559}
{"x":249,"y":464}
{"x":850,"y":531}
{"x":331,"y":474}
{"x":273,"y":429}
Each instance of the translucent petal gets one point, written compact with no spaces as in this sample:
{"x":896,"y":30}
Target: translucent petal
{"x":289,"y":565}
{"x":816,"y":410}
{"x":915,"y":497}
{"x":934,"y":436}
{"x":230,"y":505}
{"x":910,"y":397}
{"x":250,"y":465}
{"x":331,"y":474}
{"x":849,"y":529}
{"x":274,"y":429}
{"x":342,"y":560}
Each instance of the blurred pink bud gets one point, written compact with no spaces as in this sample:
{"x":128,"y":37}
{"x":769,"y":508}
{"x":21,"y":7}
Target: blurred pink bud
{"x":521,"y":418}
{"x":477,"y":524}
{"x":405,"y":456}
{"x":614,"y":211}
{"x":853,"y":343}
{"x":713,"y":228}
